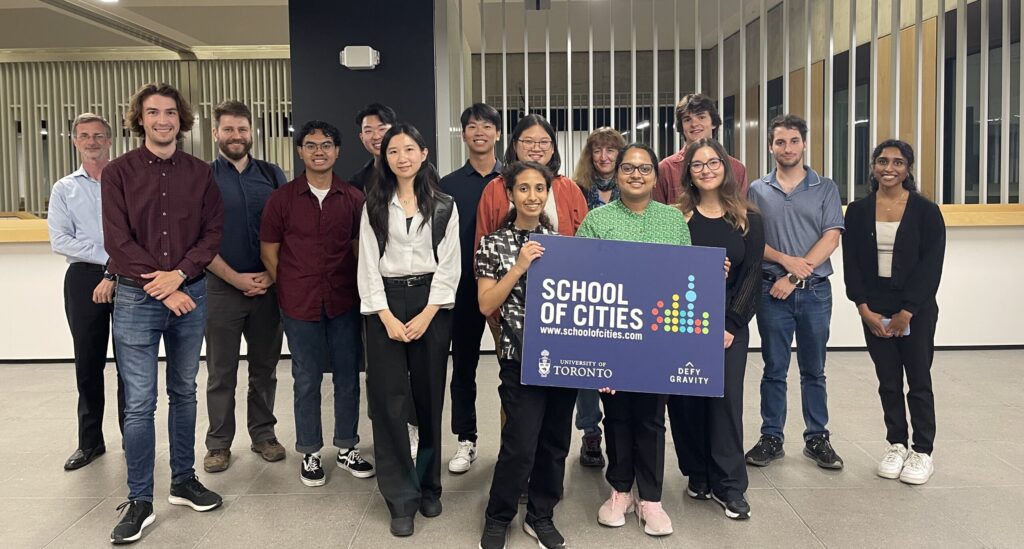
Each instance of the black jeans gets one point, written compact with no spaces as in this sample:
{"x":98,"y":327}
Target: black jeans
{"x":912,"y":355}
{"x":634,"y":430}
{"x":232,"y":315}
{"x":708,"y":432}
{"x":467,"y":329}
{"x":396,"y":371}
{"x":90,"y":331}
{"x":534,"y":444}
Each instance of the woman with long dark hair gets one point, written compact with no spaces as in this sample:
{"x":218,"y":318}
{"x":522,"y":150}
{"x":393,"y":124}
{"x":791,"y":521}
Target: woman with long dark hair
{"x":708,"y":432}
{"x":408,"y":271}
{"x":893,"y":250}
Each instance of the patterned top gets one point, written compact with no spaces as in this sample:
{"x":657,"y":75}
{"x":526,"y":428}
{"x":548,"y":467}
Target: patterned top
{"x":659,"y":224}
{"x":497,"y":254}
{"x":594,"y":197}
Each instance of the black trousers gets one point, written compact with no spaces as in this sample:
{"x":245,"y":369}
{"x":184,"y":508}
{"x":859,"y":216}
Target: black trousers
{"x":90,"y":331}
{"x":534,"y":444}
{"x":708,"y":432}
{"x":230,"y":316}
{"x":911,"y":355}
{"x":467,"y":329}
{"x":634,"y":431}
{"x":396,"y":372}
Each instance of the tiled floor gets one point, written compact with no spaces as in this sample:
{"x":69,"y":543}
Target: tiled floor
{"x":970,"y":502}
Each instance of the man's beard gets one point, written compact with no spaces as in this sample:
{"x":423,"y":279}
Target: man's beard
{"x":797,"y":162}
{"x":226,"y":151}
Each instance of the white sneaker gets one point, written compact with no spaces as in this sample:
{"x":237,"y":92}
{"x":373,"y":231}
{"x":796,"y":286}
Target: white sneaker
{"x":892,"y":462}
{"x":464,"y":457}
{"x":917,"y":469}
{"x":414,"y":440}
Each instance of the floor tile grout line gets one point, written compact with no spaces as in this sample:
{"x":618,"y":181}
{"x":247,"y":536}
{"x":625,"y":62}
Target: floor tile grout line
{"x":72,"y":525}
{"x":802,"y":520}
{"x":362,"y":519}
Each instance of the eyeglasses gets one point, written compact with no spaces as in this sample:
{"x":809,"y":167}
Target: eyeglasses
{"x":92,"y":137}
{"x":543,"y":144}
{"x":714,"y":164}
{"x":326,"y":146}
{"x":884,"y":162}
{"x":644,"y":169}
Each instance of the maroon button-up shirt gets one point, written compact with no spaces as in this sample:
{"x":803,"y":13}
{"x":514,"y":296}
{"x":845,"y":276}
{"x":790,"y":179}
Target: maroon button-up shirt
{"x":160,"y":215}
{"x":670,"y":177}
{"x":316,"y":267}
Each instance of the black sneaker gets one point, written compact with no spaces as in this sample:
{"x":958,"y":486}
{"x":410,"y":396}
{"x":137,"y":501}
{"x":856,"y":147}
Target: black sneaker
{"x":820,"y":450}
{"x":495,"y":535}
{"x":137,"y":515}
{"x":590,"y":453}
{"x":193,"y":494}
{"x":736,"y":509}
{"x":767,"y":450}
{"x":351,"y":461}
{"x":311,"y":472}
{"x":544,"y":531}
{"x":698,"y":489}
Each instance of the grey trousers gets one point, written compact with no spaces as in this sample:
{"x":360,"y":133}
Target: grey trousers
{"x":232,"y":315}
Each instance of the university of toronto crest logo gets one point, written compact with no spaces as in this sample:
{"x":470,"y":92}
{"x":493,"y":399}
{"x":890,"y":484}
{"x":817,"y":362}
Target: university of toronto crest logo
{"x":544,"y":364}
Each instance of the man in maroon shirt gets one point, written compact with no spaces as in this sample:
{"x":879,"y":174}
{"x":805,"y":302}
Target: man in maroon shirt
{"x":162,"y":225}
{"x":696,"y":118}
{"x":308,"y":244}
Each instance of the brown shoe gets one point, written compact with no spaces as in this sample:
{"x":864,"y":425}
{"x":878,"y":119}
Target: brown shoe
{"x":270,"y":450}
{"x":216,"y":460}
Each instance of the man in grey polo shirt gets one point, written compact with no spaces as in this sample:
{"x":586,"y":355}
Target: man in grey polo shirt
{"x":803,"y":220}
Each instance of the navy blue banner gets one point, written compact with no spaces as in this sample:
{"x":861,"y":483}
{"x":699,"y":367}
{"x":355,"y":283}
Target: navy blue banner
{"x":645,"y":318}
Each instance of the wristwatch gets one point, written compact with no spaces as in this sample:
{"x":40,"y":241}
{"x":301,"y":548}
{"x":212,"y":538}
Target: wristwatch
{"x":109,"y":276}
{"x":182,"y":274}
{"x":793,"y":279}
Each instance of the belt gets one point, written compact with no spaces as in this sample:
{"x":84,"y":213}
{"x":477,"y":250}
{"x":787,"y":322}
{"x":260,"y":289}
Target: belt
{"x":801,"y":285}
{"x":85,"y":266}
{"x":408,"y":281}
{"x":132,"y":283}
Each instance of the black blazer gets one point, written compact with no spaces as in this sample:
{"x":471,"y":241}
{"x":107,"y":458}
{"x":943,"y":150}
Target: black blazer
{"x":917,"y":254}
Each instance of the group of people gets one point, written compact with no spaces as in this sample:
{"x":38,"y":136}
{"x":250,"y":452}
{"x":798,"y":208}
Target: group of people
{"x":394,"y":268}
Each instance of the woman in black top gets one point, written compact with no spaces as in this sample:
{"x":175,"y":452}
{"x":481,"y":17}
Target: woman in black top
{"x":708,"y":432}
{"x":893,"y":250}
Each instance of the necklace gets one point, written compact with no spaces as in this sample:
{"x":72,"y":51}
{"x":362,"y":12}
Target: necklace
{"x":891,"y":203}
{"x":407,"y":201}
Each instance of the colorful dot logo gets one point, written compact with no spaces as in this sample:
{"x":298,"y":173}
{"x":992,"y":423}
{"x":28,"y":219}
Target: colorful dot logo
{"x":670,"y":317}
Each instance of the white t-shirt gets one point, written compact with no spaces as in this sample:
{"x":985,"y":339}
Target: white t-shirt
{"x":320,"y":193}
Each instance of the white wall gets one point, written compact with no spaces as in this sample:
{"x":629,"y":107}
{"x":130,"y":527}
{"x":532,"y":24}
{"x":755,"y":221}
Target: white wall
{"x":980,"y":299}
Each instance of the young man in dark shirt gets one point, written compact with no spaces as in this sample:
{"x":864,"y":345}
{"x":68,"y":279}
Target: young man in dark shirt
{"x":162,"y":223}
{"x":373,"y":121}
{"x":481,"y":129}
{"x":242,"y":298}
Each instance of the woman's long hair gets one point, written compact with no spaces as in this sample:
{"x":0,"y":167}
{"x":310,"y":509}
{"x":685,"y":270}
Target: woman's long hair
{"x":734,"y":205}
{"x":510,"y":173}
{"x":601,"y":137}
{"x":524,"y":124}
{"x":378,"y":197}
{"x":908,"y":155}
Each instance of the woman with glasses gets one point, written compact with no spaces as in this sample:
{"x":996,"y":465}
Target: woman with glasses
{"x":708,"y":432}
{"x":634,"y":423}
{"x":408,"y":270}
{"x":893,"y":251}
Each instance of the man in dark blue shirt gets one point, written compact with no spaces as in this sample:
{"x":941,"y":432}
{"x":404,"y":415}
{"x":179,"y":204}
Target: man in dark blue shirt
{"x":241,"y":298}
{"x":481,"y":128}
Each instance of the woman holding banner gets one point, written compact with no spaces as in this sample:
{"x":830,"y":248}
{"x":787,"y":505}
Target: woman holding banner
{"x":634,"y":423}
{"x":535,"y":436}
{"x":708,"y":432}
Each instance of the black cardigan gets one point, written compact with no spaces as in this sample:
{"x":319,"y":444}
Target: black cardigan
{"x":917,"y":254}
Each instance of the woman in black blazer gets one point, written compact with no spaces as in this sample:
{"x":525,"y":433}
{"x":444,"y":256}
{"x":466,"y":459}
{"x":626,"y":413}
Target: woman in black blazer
{"x":893,"y":250}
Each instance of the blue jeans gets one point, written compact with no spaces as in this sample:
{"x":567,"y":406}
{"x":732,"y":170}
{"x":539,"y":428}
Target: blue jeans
{"x":807,"y":314}
{"x":331,"y":341}
{"x":588,"y":412}
{"x":139,"y":323}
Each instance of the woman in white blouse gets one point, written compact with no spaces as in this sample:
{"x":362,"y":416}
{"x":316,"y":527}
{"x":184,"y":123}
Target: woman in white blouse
{"x":409,"y":268}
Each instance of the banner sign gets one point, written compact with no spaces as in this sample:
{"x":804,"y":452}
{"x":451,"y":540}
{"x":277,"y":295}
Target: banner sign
{"x":645,"y":318}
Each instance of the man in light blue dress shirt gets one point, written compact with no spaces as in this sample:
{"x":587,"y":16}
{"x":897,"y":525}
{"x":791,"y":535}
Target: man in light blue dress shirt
{"x":76,"y":232}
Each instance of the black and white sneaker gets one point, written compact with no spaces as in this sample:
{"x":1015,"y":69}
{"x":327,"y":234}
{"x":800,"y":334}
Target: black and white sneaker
{"x":312,"y":473}
{"x":544,"y":531}
{"x":767,"y":450}
{"x":351,"y":461}
{"x":698,"y":489}
{"x":736,"y":509}
{"x":495,"y":535}
{"x":820,"y":450}
{"x":192,"y":493}
{"x":137,"y":515}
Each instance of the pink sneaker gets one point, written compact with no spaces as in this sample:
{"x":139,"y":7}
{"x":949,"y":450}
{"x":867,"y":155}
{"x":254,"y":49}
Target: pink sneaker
{"x":613,"y":511}
{"x":653,"y":518}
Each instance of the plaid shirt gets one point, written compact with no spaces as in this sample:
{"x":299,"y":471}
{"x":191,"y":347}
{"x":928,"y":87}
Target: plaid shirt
{"x":497,"y":254}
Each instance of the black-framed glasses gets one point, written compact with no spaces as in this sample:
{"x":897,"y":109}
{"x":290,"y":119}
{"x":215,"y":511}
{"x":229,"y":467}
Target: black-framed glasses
{"x":543,"y":144}
{"x":644,"y":169}
{"x":714,"y":165}
{"x":326,"y":146}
